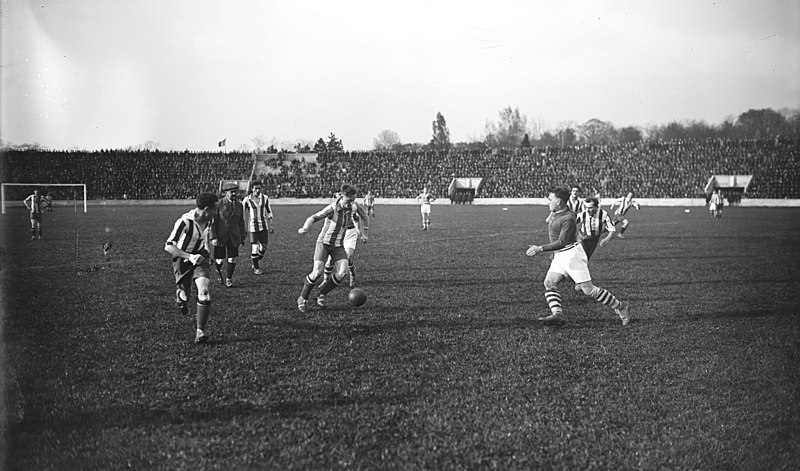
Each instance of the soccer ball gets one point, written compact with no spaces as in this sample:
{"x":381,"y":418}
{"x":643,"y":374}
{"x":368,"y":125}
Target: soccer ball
{"x":357,"y":297}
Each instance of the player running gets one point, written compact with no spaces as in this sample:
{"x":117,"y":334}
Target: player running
{"x":623,"y":205}
{"x":330,"y":243}
{"x":358,"y":227}
{"x":569,"y":260}
{"x":189,"y":246}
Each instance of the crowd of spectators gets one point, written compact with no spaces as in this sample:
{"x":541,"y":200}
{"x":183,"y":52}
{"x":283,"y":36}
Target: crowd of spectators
{"x":674,"y":169}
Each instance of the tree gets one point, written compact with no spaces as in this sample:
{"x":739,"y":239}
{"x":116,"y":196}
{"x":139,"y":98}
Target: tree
{"x":673,"y":131}
{"x":386,"y":140}
{"x":508,"y":131}
{"x":320,"y":145}
{"x":334,"y":143}
{"x":761,"y":124}
{"x":259,"y":143}
{"x":526,"y":142}
{"x":596,"y":131}
{"x":629,"y":134}
{"x":441,"y":135}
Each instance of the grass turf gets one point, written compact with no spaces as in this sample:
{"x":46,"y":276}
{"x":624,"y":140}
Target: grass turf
{"x":443,"y":368}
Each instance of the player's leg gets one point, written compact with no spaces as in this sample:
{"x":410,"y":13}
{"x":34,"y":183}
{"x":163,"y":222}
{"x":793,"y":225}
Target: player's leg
{"x":219,"y":259}
{"x":34,"y":226}
{"x":183,"y":271}
{"x":339,"y":257}
{"x":203,"y":303}
{"x":320,"y":255}
{"x":350,"y":242}
{"x":232,"y":252}
{"x":328,"y":270}
{"x":553,"y":298}
{"x":351,"y":265}
{"x":623,"y":226}
{"x":258,"y":247}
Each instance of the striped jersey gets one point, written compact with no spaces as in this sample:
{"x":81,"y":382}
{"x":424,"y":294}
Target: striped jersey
{"x":623,"y":205}
{"x":575,"y":205}
{"x":369,"y":200}
{"x":259,"y":212}
{"x":35,"y":203}
{"x":337,"y":219}
{"x":716,"y":198}
{"x":591,"y":227}
{"x":188,"y":236}
{"x":359,"y":214}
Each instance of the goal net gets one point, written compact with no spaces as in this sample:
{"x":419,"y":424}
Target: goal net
{"x":62,"y":194}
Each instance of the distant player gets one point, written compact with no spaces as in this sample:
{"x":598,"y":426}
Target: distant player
{"x":369,"y":204}
{"x":425,"y":199}
{"x":575,"y":203}
{"x":337,"y":216}
{"x":35,"y":204}
{"x":188,"y":243}
{"x":358,"y":227}
{"x":715,"y":204}
{"x":622,"y":206}
{"x":227,"y":233}
{"x":260,"y":224}
{"x":569,"y":260}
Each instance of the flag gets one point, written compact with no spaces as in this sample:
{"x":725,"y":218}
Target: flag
{"x":222,"y":142}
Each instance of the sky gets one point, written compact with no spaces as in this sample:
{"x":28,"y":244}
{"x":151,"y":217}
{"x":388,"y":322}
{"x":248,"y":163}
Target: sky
{"x":185,"y":74}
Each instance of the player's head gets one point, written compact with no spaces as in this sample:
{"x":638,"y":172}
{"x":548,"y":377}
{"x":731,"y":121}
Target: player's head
{"x":255,"y":187}
{"x":348,"y":193}
{"x":591,"y":204}
{"x":630,"y":195}
{"x":558,"y":198}
{"x":36,"y":191}
{"x":574,"y":191}
{"x":207,"y":205}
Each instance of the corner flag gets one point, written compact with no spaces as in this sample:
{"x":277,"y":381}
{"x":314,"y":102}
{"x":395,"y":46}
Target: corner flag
{"x":222,"y":142}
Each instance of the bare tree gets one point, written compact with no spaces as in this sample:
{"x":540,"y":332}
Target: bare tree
{"x":387,"y":139}
{"x":509,"y":130}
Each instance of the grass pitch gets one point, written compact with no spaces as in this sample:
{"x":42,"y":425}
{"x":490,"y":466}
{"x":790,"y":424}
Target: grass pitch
{"x":444,"y":367}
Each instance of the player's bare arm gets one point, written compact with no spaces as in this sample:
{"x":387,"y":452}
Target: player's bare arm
{"x":177,"y":252}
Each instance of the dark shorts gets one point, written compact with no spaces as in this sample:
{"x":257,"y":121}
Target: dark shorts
{"x":36,"y":217}
{"x":322,"y":251}
{"x":260,"y":237}
{"x":229,"y":250}
{"x":185,"y":272}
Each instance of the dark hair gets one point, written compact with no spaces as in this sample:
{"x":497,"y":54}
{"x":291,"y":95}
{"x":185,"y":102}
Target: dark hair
{"x":592,"y":199}
{"x":561,"y":193}
{"x":255,"y":183}
{"x":204,"y":200}
{"x":348,"y":190}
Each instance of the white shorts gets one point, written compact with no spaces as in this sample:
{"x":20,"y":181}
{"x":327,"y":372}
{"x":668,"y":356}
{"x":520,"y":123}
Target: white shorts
{"x":425,"y":208}
{"x":350,"y":239}
{"x":712,"y":206}
{"x":572,"y":263}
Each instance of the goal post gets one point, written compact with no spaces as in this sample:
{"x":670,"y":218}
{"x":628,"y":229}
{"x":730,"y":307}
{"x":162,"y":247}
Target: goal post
{"x":82,"y":186}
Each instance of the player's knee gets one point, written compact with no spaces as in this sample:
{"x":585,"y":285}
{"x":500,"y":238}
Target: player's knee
{"x":231,"y":260}
{"x":204,"y":295}
{"x":624,"y":223}
{"x":550,"y":284}
{"x":589,"y":289}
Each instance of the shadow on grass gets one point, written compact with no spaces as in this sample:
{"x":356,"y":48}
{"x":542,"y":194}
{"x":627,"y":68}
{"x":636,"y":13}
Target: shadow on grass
{"x":154,"y":416}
